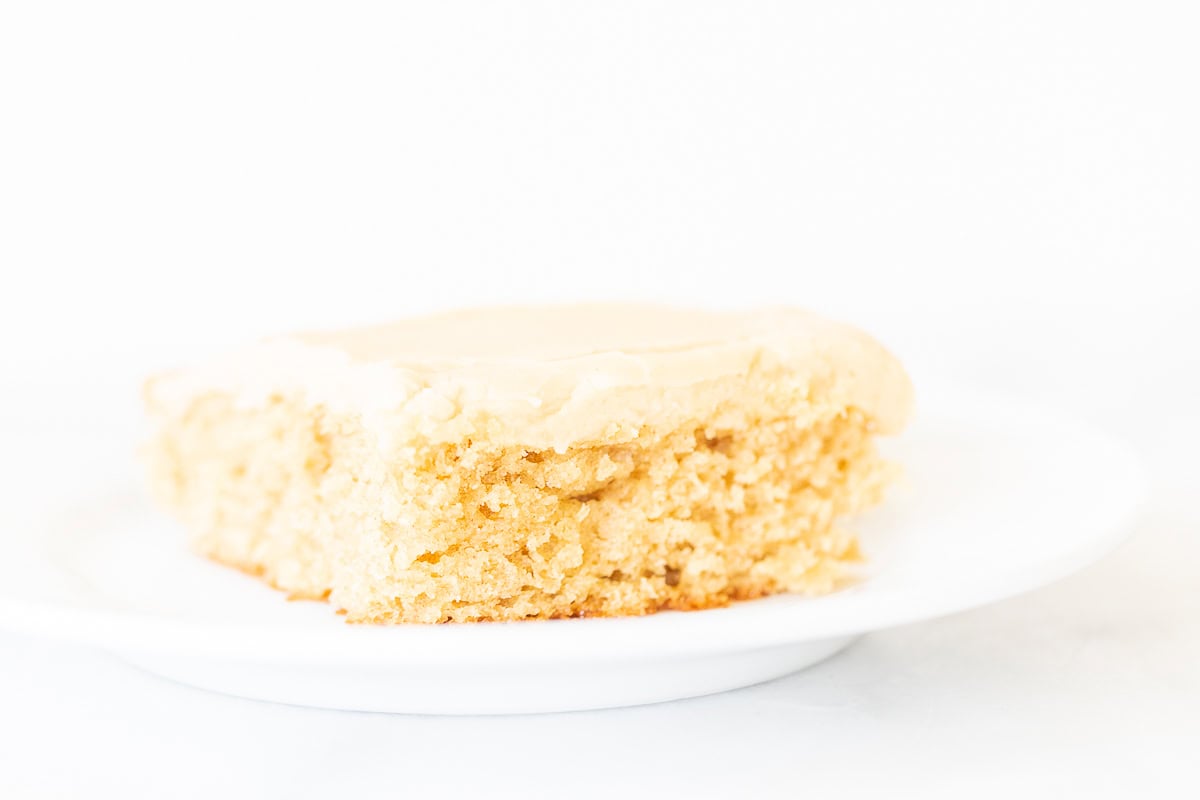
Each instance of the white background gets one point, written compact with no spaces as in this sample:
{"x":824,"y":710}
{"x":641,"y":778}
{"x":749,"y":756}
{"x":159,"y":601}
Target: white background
{"x":1007,"y":193}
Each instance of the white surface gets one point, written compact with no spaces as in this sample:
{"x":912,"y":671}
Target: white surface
{"x":998,"y":497}
{"x":1089,"y":687}
{"x":1005,"y":192}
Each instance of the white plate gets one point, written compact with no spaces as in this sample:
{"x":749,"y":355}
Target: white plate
{"x":998,"y":498}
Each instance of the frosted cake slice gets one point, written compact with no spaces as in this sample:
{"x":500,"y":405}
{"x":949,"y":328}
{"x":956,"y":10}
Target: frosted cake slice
{"x":511,"y":463}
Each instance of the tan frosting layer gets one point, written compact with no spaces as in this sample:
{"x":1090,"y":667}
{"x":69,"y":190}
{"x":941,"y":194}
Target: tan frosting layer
{"x":547,"y":376}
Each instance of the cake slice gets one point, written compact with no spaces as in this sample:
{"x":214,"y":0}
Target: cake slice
{"x":514,"y":463}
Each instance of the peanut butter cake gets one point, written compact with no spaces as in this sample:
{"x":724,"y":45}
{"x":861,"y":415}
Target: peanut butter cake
{"x":509,"y":463}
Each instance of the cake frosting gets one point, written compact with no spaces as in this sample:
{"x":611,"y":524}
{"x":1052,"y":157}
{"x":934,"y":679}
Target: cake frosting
{"x":547,"y":376}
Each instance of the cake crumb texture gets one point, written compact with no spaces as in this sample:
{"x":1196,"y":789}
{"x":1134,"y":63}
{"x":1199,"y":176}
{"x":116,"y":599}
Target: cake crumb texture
{"x":683,"y":495}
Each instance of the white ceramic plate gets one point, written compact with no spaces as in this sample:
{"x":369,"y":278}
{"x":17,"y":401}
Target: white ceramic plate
{"x":998,"y":498}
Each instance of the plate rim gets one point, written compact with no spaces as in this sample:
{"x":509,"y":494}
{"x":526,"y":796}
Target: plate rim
{"x":744,"y":625}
